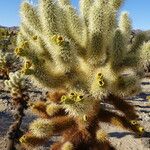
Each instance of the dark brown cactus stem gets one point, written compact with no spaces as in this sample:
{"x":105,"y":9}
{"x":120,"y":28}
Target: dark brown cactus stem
{"x":125,"y":107}
{"x":14,"y":133}
{"x":4,"y":73}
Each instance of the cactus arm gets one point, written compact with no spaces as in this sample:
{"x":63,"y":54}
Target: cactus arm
{"x":28,"y":46}
{"x":65,"y":57}
{"x":74,"y":29}
{"x":99,"y":18}
{"x":67,"y":146}
{"x":140,"y":38}
{"x":16,"y":85}
{"x":29,"y":140}
{"x":126,"y":85}
{"x":122,"y":58}
{"x":48,"y":11}
{"x":117,"y":120}
{"x":130,"y":61}
{"x":102,"y":139}
{"x":54,"y":110}
{"x":55,"y":96}
{"x":123,"y":106}
{"x":30,"y":18}
{"x":44,"y":128}
{"x":144,"y":56}
{"x":39,"y":109}
{"x":20,"y":38}
{"x":64,"y":2}
{"x":101,"y":23}
{"x":48,"y":78}
{"x":34,"y":43}
{"x":118,"y":50}
{"x":116,"y":3}
{"x":74,"y":23}
{"x":85,"y":6}
{"x":125,"y":26}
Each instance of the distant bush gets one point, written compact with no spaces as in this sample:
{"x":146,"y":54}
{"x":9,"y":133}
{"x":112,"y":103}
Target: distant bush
{"x":7,"y":58}
{"x":7,"y":39}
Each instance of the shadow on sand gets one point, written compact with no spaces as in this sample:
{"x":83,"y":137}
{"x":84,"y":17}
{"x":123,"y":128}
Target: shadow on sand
{"x":145,"y":83}
{"x":141,"y":106}
{"x":5,"y":121}
{"x":142,"y":97}
{"x":123,"y":134}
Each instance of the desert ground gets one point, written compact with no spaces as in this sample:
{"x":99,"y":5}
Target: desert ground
{"x":121,"y":139}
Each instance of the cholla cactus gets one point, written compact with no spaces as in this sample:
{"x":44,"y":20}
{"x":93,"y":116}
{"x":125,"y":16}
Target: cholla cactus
{"x":16,"y":85}
{"x":7,"y":59}
{"x":7,"y":62}
{"x":7,"y":38}
{"x":3,"y":65}
{"x":85,"y":54}
{"x":145,"y":56}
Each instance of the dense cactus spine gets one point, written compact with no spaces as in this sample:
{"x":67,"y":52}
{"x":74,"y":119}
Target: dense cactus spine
{"x":31,"y":140}
{"x":145,"y":55}
{"x":41,"y":128}
{"x":85,"y":54}
{"x":118,"y":51}
{"x":125,"y":25}
{"x":67,"y":146}
{"x":116,"y":3}
{"x":29,"y":16}
{"x":84,"y":9}
{"x":16,"y":85}
{"x":3,"y":65}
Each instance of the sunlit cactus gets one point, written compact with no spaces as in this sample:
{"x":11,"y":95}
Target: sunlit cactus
{"x":145,"y":57}
{"x":17,"y":87}
{"x":86,"y":54}
{"x":16,"y":83}
{"x":42,"y":128}
{"x":7,"y":62}
{"x":67,"y":146}
{"x":125,"y":26}
{"x":3,"y":65}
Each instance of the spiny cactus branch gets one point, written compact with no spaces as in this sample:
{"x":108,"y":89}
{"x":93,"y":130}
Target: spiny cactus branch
{"x":16,"y":85}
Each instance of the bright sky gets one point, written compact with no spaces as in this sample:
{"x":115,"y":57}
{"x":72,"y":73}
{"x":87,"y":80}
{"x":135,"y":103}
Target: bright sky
{"x":139,"y":11}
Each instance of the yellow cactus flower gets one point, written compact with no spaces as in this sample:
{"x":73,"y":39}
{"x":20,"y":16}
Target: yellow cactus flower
{"x":54,"y":38}
{"x":18,"y":50}
{"x":59,"y":40}
{"x":73,"y":96}
{"x":79,"y":98}
{"x":63,"y":98}
{"x":35,"y":38}
{"x":133,"y":122}
{"x":99,"y":75}
{"x":101,"y":83}
{"x":141,"y":129}
{"x":22,"y":139}
{"x":28,"y":64}
{"x":25,"y":45}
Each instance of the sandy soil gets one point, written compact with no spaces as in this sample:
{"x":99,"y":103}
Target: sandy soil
{"x":121,"y":139}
